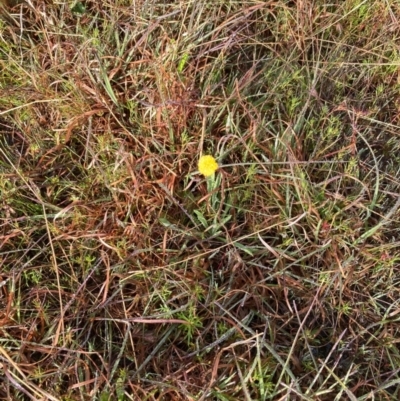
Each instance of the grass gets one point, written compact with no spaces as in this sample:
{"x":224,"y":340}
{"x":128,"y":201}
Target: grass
{"x":127,"y":275}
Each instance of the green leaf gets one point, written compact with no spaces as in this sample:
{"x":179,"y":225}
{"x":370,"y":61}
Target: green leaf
{"x":244,"y":248}
{"x":105,"y":396}
{"x":78,"y":8}
{"x":201,"y":218}
{"x":165,"y":222}
{"x":182,"y":62}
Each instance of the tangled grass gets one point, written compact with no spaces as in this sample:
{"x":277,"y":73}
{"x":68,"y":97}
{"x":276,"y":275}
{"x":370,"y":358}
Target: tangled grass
{"x":127,"y":275}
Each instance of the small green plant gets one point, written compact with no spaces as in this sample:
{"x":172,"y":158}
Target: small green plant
{"x":194,"y":323}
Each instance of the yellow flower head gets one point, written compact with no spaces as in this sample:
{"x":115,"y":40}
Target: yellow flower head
{"x":207,"y":165}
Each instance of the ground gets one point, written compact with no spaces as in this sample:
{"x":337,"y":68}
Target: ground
{"x":128,"y":274}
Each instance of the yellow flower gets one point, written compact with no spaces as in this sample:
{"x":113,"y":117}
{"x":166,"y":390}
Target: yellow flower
{"x":207,"y":165}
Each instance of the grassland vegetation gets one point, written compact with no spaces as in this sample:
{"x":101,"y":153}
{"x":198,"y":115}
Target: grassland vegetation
{"x":126,"y":274}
